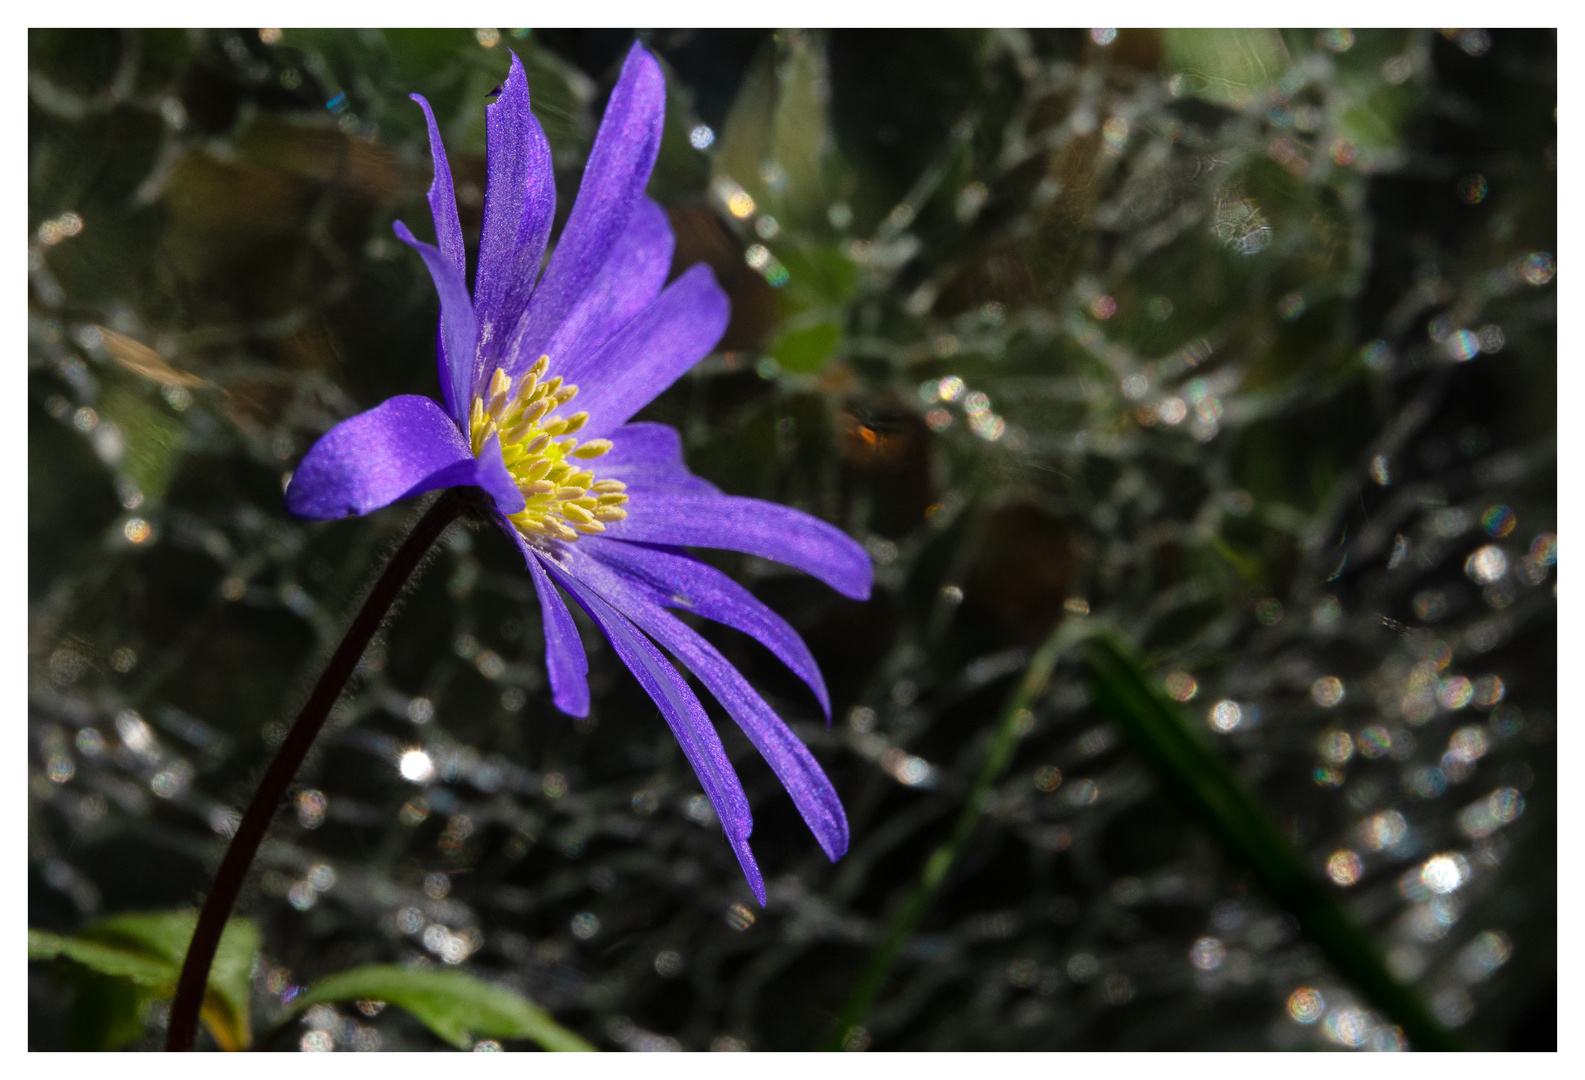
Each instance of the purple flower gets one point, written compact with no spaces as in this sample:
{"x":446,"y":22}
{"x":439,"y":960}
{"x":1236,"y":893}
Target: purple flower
{"x":539,"y":380}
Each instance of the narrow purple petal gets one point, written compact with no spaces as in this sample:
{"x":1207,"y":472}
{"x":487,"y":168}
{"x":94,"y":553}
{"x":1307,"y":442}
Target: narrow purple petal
{"x":649,"y":456}
{"x":629,"y":280}
{"x":786,"y":754}
{"x":755,"y":527}
{"x":401,"y":447}
{"x":491,"y":474}
{"x":677,"y":703}
{"x":442,"y":197}
{"x":624,"y":153}
{"x":448,"y":235}
{"x":788,"y":757}
{"x":519,"y":205}
{"x":565,"y":659}
{"x":457,"y":325}
{"x":653,"y":349}
{"x":443,"y":366}
{"x":681,"y":582}
{"x":745,"y":859}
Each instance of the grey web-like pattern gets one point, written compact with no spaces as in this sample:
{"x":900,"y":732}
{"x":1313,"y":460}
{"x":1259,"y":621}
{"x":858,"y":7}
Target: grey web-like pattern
{"x":1006,"y":453}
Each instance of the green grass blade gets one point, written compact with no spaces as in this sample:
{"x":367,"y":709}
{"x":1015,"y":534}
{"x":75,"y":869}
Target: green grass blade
{"x":1203,"y":781}
{"x":907,"y":917}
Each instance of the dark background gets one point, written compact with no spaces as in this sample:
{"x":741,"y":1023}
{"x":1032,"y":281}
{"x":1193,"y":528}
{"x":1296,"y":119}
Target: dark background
{"x":1291,"y":231}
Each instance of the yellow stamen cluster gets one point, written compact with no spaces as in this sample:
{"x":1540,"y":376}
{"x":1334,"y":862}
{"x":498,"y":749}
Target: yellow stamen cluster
{"x":563,"y":498}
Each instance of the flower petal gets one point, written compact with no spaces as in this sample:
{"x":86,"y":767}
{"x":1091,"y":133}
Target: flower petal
{"x":519,"y":205}
{"x":565,"y":660}
{"x":491,"y":474}
{"x":649,"y":456}
{"x":448,"y":234}
{"x":625,"y":285}
{"x":786,"y":754}
{"x":766,"y":529}
{"x":745,"y":859}
{"x":401,"y":447}
{"x":811,"y":790}
{"x":681,"y":582}
{"x":653,"y":349}
{"x":624,"y":153}
{"x":458,"y":327}
{"x":682,"y":711}
{"x":442,"y":197}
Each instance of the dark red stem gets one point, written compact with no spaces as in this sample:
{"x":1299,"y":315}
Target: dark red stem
{"x":256,"y":821}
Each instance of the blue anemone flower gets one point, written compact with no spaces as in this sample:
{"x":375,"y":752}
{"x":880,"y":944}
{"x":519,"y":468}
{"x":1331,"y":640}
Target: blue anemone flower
{"x":539,"y":376}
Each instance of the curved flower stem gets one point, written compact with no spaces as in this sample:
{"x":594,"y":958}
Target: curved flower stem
{"x":256,"y":820}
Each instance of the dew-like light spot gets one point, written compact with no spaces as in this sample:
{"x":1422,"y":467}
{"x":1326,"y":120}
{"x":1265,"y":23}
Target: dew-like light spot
{"x":1327,"y":691}
{"x":1462,"y":345}
{"x":1348,"y":1027}
{"x":1344,"y":867}
{"x":1444,"y":873}
{"x":1455,"y":693}
{"x":1384,"y":830}
{"x":1207,"y":954}
{"x":1337,"y":747}
{"x":1306,"y":1005}
{"x":1181,"y":686}
{"x":1224,"y":716}
{"x":416,"y":766}
{"x":1538,"y":267}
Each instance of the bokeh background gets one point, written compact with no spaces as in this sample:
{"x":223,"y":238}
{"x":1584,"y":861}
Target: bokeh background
{"x":1241,"y":341}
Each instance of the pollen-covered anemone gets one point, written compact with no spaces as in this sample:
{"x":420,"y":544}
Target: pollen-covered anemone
{"x":539,"y":375}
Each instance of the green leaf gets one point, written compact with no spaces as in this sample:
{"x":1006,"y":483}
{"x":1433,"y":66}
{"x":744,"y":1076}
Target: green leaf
{"x":1227,"y":67}
{"x":807,"y":350}
{"x":147,"y":948}
{"x":821,"y":275}
{"x":107,"y":1013}
{"x":778,"y":123}
{"x":455,"y":1006}
{"x":105,"y":959}
{"x":166,"y":934}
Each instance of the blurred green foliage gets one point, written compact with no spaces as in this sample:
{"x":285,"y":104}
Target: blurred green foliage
{"x":122,"y":965}
{"x":455,"y":1006}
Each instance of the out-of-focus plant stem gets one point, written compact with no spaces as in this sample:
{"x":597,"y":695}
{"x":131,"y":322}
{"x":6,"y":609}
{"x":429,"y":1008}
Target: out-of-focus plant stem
{"x":1011,"y":725}
{"x":1206,"y":784}
{"x":294,"y":748}
{"x":1163,"y":734}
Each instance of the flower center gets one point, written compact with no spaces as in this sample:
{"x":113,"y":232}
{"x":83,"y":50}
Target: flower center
{"x":563,"y":497}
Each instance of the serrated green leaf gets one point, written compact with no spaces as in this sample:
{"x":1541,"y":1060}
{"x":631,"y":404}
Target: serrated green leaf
{"x":456,"y":1006}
